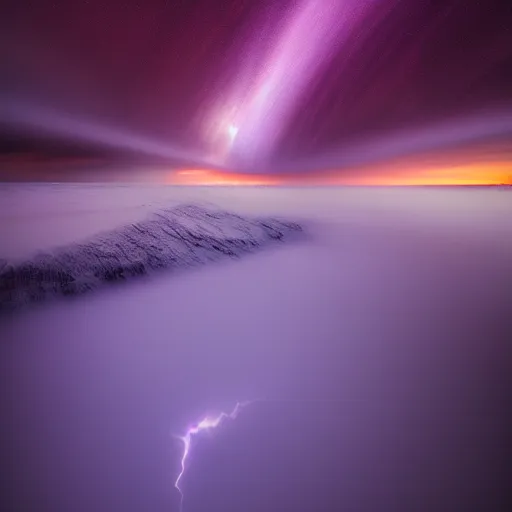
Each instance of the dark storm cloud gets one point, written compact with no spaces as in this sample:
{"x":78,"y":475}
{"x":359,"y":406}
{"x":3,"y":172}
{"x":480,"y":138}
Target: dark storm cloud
{"x":421,"y":62}
{"x":188,"y":72}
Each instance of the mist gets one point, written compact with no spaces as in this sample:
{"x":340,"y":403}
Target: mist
{"x":374,"y":352}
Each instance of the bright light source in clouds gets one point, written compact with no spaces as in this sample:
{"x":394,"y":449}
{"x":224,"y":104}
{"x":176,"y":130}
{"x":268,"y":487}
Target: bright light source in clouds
{"x":232,"y":130}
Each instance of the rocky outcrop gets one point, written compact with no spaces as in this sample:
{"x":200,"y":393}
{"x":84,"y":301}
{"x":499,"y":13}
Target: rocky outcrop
{"x":177,"y":238}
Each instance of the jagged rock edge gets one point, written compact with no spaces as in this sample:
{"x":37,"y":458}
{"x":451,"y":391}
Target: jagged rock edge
{"x":176,"y":238}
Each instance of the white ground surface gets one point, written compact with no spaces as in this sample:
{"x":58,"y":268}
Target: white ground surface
{"x":399,"y":303}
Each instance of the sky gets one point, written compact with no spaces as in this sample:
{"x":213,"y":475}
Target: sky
{"x":238,"y":91}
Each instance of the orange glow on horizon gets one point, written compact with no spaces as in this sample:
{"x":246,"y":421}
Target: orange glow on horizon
{"x":418,"y":174}
{"x":478,"y":164}
{"x":212,"y":177}
{"x":395,"y":173}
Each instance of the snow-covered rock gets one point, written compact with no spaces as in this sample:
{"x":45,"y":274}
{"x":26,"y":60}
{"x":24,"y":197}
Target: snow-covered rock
{"x":176,"y":238}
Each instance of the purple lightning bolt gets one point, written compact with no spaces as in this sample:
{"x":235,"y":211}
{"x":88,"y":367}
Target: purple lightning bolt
{"x":205,"y":425}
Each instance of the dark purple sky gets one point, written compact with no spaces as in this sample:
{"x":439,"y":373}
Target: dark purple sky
{"x":243,"y":83}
